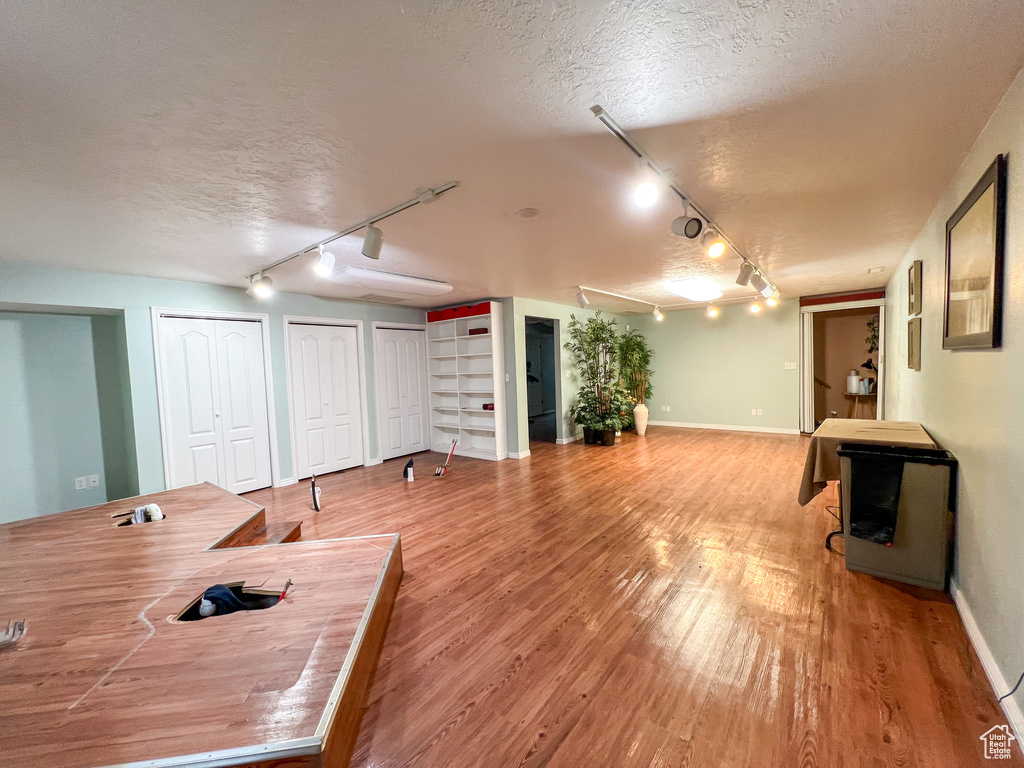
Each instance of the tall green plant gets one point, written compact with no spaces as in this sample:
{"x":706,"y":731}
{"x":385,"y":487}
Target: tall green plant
{"x":635,"y":365}
{"x":594,"y":348}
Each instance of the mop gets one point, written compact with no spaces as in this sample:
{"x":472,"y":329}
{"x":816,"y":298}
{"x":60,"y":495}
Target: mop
{"x":442,"y":471}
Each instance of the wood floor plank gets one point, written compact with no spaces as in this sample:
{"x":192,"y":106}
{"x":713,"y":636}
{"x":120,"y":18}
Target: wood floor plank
{"x":662,"y":602}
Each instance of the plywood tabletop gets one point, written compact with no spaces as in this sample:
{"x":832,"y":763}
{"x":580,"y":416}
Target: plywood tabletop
{"x":104,"y":676}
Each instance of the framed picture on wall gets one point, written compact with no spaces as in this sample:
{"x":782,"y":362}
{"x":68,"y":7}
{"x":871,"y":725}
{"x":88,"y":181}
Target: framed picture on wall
{"x":914,"y":343}
{"x":975,"y":243}
{"x":914,"y":289}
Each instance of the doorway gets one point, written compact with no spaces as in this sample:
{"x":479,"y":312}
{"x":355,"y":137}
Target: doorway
{"x":843,"y":364}
{"x":541,"y":379}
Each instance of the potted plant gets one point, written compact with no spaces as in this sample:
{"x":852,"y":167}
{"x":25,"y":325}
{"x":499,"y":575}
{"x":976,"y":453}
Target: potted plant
{"x":583,"y":412}
{"x":594,"y":347}
{"x":634,"y":365}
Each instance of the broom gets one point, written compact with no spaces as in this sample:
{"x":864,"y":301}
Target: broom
{"x":442,"y":471}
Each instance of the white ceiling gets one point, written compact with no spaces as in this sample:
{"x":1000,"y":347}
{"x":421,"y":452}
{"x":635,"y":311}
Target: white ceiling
{"x":200,"y":141}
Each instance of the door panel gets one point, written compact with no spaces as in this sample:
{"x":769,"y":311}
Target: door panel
{"x":244,"y":421}
{"x":326,"y":409}
{"x":214,"y":403}
{"x":402,"y":391}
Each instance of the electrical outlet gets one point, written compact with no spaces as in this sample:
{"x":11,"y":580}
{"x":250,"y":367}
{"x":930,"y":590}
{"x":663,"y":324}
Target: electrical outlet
{"x":753,"y":411}
{"x":668,"y":408}
{"x":790,"y":366}
{"x":663,"y":408}
{"x":760,"y":412}
{"x":568,"y":374}
{"x":93,"y":481}
{"x":81,"y":483}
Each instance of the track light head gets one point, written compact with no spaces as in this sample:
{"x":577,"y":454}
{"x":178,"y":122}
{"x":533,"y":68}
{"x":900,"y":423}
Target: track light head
{"x":768,"y":290}
{"x":756,"y":307}
{"x":716,"y":245}
{"x":646,"y":194}
{"x":262,"y":287}
{"x":372,"y":242}
{"x":746,"y":270}
{"x":689,"y":227}
{"x":658,"y":314}
{"x":774,"y":299}
{"x":581,"y":299}
{"x":324,"y":264}
{"x":757,"y":280}
{"x":712,"y":311}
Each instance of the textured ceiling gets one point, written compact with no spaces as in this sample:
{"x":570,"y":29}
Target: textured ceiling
{"x":200,"y":141}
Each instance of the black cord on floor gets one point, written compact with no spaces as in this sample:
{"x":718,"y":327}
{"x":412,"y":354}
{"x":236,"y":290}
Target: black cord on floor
{"x":1019,"y":679}
{"x":829,"y":510}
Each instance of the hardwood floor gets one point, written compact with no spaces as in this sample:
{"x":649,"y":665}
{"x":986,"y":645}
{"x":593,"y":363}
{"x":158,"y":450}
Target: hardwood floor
{"x":664,"y":602}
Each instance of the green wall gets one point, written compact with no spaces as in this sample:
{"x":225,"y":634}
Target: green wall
{"x":50,"y":415}
{"x":134,"y":296}
{"x":714,"y":371}
{"x":970,"y":402}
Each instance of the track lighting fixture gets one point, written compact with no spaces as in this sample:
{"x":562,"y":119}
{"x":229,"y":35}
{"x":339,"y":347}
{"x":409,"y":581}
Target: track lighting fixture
{"x":372,"y":242}
{"x":715,"y":244}
{"x":758,"y":282}
{"x":768,"y":290}
{"x":658,"y":315}
{"x":712,"y":311}
{"x":689,"y":227}
{"x":262,"y":287}
{"x":325,"y":262}
{"x":746,"y":270}
{"x":773,"y":300}
{"x":374,"y":237}
{"x":693,"y":221}
{"x":756,"y":306}
{"x":582,"y":300}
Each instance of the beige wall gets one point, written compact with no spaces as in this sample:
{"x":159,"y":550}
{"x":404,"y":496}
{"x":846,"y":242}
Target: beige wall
{"x":971,"y":401}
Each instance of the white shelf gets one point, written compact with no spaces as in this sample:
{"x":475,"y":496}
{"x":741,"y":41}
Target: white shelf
{"x":479,"y":362}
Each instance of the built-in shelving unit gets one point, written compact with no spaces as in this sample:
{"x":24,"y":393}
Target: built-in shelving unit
{"x":466,"y":373}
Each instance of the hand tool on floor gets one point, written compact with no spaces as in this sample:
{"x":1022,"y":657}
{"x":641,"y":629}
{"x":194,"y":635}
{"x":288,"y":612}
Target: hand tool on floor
{"x":315,"y":491}
{"x":442,"y":471}
{"x":15,"y":631}
{"x":407,"y":472}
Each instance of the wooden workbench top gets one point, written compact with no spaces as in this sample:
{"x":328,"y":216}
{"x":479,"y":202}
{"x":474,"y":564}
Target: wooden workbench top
{"x":103,"y":675}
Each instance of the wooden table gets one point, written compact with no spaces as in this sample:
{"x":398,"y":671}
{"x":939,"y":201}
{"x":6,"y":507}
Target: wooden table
{"x":860,"y":403}
{"x":104,"y":675}
{"x":822,"y":464}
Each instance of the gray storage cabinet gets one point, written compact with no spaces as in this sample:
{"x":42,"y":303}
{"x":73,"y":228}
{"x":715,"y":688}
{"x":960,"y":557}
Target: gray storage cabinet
{"x":920,"y":549}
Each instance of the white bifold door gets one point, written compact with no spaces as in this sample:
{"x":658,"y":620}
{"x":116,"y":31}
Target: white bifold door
{"x":401,"y":367}
{"x":214,"y":403}
{"x":326,"y":411}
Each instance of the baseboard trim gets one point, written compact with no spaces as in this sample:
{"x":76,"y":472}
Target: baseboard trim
{"x":1012,"y":710}
{"x":520,"y":455}
{"x":727,"y":427}
{"x":286,"y":482}
{"x":567,"y":440}
{"x":373,"y":462}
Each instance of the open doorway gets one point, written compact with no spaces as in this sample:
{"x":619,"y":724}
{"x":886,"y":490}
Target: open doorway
{"x":541,"y":379}
{"x":846,"y":364}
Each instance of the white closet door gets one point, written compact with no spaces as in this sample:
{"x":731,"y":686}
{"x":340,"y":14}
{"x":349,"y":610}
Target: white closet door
{"x":401,"y":370}
{"x":325,"y":398}
{"x":214,"y":403}
{"x":243,"y":417}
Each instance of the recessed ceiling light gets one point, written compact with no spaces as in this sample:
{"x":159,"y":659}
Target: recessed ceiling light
{"x":527,"y":213}
{"x":694,"y":288}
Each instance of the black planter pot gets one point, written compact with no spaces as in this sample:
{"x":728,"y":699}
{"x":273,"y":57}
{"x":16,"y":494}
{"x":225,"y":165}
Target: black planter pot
{"x":607,"y":437}
{"x":589,"y":436}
